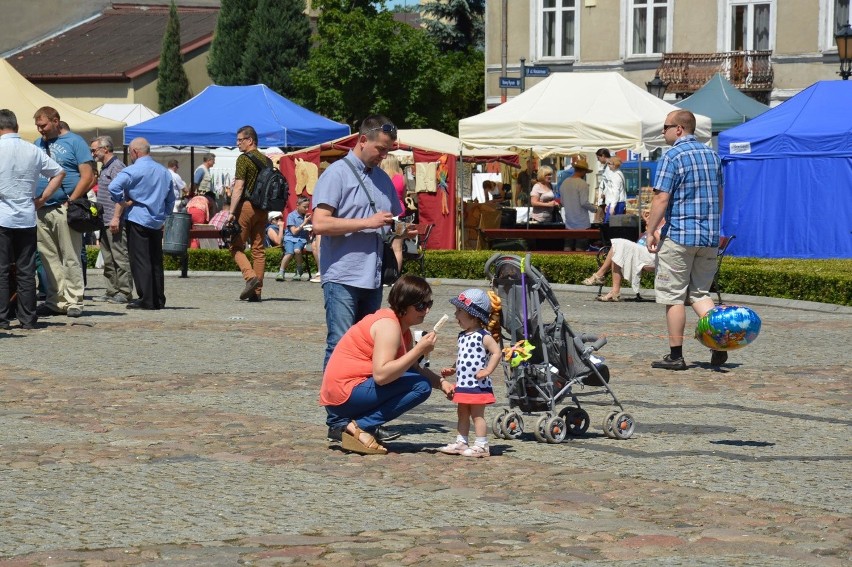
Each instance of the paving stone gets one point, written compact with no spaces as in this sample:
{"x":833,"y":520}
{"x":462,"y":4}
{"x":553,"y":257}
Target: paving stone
{"x":193,"y":435}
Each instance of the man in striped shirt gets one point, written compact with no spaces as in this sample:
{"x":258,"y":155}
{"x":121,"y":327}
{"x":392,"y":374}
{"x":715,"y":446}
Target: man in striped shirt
{"x":688,"y":193}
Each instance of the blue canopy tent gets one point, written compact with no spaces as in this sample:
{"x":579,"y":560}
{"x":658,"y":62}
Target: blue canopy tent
{"x":788,"y":177}
{"x":212,"y":118}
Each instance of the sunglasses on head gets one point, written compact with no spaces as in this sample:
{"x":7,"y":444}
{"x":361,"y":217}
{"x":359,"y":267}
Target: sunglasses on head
{"x":424,"y":305}
{"x":386,"y":128}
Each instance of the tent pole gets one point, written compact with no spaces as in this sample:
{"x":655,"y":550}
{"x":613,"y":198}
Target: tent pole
{"x":459,"y":204}
{"x":191,"y":167}
{"x":639,"y":196}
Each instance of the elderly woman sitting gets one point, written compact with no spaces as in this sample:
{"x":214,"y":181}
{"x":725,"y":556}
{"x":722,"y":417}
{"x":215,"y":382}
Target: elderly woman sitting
{"x":626,"y":259}
{"x":373,"y":376}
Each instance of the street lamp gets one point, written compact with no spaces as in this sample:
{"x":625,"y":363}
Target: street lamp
{"x":657,"y":87}
{"x":844,"y":50}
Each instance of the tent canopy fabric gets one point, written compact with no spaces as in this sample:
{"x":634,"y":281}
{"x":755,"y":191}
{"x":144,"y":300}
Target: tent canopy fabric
{"x":24,"y":98}
{"x":213,"y":117}
{"x":425,"y":139}
{"x":788,"y":177}
{"x":131,"y":114}
{"x":568,"y":113}
{"x":723,"y":103}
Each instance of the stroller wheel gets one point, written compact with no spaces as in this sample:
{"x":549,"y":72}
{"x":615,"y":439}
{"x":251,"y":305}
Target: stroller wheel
{"x":513,"y":426}
{"x":607,"y":424}
{"x":555,"y":430}
{"x":497,"y":424}
{"x":541,"y":428}
{"x":576,"y":419}
{"x":623,"y":425}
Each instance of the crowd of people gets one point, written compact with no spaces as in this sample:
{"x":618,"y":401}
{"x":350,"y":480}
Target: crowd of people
{"x":371,"y":369}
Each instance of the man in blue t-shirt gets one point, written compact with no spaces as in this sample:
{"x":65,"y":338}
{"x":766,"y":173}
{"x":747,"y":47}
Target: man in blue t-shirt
{"x":352,"y":229}
{"x":58,"y":245}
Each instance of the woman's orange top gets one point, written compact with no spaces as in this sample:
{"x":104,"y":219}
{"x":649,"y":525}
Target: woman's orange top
{"x":351,"y":362}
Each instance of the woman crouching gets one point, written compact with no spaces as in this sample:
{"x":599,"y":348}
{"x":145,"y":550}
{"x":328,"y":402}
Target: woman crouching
{"x":373,"y":376}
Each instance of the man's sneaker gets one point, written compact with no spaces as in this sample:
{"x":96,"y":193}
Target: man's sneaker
{"x":251,"y":285}
{"x":102,"y":298}
{"x":73,"y":311}
{"x":381,"y":434}
{"x":316,"y":279}
{"x":279,"y":277}
{"x":118,"y":299}
{"x":718,"y":357}
{"x":669,"y":363}
{"x":477,"y":451}
{"x":456,"y":448}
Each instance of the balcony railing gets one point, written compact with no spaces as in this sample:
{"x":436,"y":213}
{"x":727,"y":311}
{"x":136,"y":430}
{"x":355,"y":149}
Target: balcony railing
{"x":749,"y":71}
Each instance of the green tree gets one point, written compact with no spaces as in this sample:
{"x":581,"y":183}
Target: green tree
{"x":277,"y":43}
{"x":172,"y":84}
{"x":363,"y":64}
{"x":456,"y":24}
{"x":226,"y":52}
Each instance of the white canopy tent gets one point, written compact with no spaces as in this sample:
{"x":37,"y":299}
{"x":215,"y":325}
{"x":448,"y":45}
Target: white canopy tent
{"x":130,"y":113}
{"x":568,"y":113}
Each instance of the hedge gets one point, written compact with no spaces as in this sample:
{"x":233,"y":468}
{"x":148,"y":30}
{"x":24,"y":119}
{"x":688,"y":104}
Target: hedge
{"x":824,"y":281}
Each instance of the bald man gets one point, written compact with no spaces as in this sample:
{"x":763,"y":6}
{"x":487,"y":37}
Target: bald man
{"x":144,"y":195}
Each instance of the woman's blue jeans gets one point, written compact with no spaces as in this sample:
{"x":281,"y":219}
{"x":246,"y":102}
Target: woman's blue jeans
{"x":371,"y":405}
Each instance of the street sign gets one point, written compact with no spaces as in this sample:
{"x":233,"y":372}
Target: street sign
{"x":537,"y":71}
{"x":510,"y":83}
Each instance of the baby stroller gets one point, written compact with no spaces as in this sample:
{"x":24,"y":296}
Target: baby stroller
{"x":561,"y":366}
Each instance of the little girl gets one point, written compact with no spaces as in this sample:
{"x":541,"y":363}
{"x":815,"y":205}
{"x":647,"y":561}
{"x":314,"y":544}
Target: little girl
{"x":478,"y":357}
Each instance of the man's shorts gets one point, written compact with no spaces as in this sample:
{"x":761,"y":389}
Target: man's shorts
{"x":290,"y":246}
{"x":684,"y":273}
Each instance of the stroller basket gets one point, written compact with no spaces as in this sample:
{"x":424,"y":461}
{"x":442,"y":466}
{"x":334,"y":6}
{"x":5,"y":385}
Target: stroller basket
{"x":548,"y":363}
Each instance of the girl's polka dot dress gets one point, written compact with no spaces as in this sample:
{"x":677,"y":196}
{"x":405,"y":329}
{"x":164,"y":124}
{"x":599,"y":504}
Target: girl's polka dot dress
{"x":472,"y":358}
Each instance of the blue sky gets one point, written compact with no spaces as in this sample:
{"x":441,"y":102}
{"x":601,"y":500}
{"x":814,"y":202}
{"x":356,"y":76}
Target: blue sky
{"x":392,"y":3}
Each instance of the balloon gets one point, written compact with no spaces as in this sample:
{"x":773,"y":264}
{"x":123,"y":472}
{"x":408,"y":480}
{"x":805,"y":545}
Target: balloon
{"x":728,"y":327}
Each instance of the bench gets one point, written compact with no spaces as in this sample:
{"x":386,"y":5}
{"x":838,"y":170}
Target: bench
{"x":209,"y":231}
{"x":534,"y":234}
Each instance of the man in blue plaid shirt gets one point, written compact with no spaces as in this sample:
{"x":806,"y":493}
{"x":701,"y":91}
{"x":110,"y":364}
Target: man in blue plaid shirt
{"x":688,"y":193}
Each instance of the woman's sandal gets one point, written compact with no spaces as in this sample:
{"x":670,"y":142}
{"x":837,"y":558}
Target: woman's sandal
{"x":609,"y":297}
{"x":594,"y":279}
{"x":354,"y":444}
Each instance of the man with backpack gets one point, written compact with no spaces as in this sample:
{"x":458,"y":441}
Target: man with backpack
{"x":252,"y":220}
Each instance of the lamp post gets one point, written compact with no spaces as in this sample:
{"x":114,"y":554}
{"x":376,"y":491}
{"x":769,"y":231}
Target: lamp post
{"x":844,"y":50}
{"x":657,"y":87}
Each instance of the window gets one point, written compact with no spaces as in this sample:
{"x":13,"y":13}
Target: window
{"x":558,"y":28}
{"x":841,"y":18}
{"x":648,"y":21}
{"x":750,"y":25}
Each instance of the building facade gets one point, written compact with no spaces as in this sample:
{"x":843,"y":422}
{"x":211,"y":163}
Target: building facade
{"x":770,"y":49}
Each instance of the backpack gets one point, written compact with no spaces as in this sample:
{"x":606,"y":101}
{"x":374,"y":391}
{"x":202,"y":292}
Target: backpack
{"x":270,"y":191}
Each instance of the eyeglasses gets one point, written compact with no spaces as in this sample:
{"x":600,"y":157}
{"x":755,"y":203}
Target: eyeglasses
{"x":386,"y":128}
{"x":241,"y":140}
{"x":94,"y":150}
{"x":667,"y":126}
{"x":424,"y":305}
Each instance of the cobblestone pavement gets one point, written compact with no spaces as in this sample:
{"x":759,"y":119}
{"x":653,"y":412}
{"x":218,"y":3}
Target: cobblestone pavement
{"x":193,"y":436}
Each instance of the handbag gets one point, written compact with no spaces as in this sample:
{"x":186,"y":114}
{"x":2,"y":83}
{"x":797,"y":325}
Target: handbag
{"x":390,"y":267}
{"x":84,"y":215}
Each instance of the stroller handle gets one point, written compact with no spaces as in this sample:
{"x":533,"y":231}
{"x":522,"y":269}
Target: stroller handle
{"x":586,"y":349}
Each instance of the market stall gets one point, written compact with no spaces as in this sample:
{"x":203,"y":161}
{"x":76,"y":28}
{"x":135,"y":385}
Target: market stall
{"x":436,"y":157}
